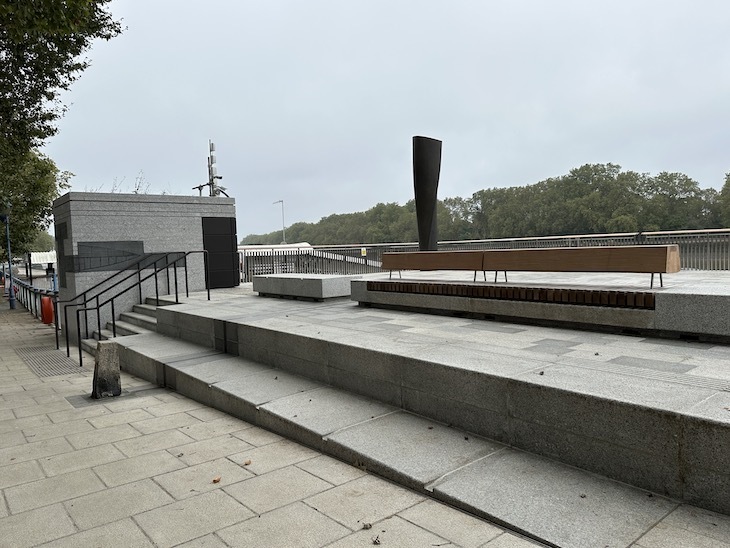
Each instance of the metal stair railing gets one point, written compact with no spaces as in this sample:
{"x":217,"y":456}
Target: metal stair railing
{"x":146,"y":259}
{"x":150,"y":260}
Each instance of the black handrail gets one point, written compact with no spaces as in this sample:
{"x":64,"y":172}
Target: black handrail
{"x":146,"y":257}
{"x":181,"y":256}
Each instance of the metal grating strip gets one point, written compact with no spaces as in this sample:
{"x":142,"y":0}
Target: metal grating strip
{"x":47,"y":361}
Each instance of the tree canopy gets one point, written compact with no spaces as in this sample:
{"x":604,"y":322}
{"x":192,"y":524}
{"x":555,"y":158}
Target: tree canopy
{"x":28,"y":193}
{"x":42,"y":48}
{"x":593,"y":198}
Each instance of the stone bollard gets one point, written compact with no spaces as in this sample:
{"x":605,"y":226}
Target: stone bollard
{"x":107,"y":380}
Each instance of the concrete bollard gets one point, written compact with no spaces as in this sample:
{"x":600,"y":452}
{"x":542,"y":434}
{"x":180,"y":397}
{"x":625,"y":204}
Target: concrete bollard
{"x":107,"y":381}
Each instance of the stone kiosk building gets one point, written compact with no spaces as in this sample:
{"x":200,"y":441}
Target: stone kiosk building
{"x":98,"y":234}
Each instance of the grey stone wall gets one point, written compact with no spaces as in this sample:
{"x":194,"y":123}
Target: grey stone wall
{"x":99,"y":233}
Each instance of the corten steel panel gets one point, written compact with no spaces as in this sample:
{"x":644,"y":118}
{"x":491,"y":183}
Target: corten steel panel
{"x":638,"y":259}
{"x":434,"y":260}
{"x":426,"y":170}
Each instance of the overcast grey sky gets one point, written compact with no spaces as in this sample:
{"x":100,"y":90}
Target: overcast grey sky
{"x":315,"y":102}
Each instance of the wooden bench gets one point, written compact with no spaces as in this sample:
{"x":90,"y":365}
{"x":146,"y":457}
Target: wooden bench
{"x":648,"y":259}
{"x":434,"y":260}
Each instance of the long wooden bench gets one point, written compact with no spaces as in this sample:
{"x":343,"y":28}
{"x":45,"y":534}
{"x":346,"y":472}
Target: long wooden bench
{"x":434,"y":260}
{"x":649,"y":259}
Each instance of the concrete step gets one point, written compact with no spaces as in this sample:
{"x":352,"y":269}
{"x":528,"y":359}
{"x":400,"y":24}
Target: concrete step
{"x":124,"y":329}
{"x":89,"y":346}
{"x":141,"y":320}
{"x":633,"y":420}
{"x":546,"y":500}
{"x":164,"y":300}
{"x":145,"y":309}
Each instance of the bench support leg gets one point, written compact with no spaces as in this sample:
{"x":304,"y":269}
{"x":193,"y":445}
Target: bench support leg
{"x":661,"y":282}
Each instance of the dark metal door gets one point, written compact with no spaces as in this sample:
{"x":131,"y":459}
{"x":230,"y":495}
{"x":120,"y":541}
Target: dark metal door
{"x":219,"y":240}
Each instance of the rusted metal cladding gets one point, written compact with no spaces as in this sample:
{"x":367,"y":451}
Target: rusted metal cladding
{"x":426,"y":170}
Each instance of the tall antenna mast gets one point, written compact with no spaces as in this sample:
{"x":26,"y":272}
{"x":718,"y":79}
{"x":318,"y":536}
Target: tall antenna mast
{"x":213,"y":187}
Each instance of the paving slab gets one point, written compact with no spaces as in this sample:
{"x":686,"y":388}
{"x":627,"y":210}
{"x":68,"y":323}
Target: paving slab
{"x":454,"y":526}
{"x":270,"y":457}
{"x":277,"y":488}
{"x":191,"y":518}
{"x":201,"y":478}
{"x":111,"y":505}
{"x":294,"y":525}
{"x":44,"y":492}
{"x":209,"y":449}
{"x":136,"y":468}
{"x":36,"y":526}
{"x":123,"y":533}
{"x":365,"y":500}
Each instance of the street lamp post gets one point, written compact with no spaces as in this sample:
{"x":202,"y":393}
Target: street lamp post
{"x":5,"y":217}
{"x":283,"y":226}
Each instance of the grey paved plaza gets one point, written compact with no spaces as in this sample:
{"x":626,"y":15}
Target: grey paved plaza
{"x":153,"y":468}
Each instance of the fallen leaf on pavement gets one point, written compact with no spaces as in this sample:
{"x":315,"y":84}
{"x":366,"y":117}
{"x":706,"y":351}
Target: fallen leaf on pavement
{"x":217,"y":479}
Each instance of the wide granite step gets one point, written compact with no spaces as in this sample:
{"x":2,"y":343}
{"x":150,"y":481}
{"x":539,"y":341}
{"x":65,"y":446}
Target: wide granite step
{"x":546,"y":500}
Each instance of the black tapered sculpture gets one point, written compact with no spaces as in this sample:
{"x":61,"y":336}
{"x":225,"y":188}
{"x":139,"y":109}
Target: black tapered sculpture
{"x":426,"y":170}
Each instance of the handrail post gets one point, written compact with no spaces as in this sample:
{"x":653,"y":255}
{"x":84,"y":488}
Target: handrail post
{"x":65,"y":329}
{"x":187,"y":291}
{"x":98,"y":318}
{"x":55,"y":318}
{"x":78,"y":331}
{"x":86,"y":318}
{"x":207,"y":274}
{"x":167,"y":271}
{"x":157,"y":291}
{"x":114,"y":321}
{"x":174,"y":268}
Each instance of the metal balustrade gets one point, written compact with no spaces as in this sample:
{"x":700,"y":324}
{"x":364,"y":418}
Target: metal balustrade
{"x":698,"y":249}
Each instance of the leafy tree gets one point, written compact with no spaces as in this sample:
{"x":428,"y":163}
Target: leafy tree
{"x":42,"y":43}
{"x":593,"y":198}
{"x":43,"y":241}
{"x":28,"y":193}
{"x":672,"y":201}
{"x":41,"y":47}
{"x":724,"y":203}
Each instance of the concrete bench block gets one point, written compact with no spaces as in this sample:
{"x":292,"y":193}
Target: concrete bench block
{"x":699,"y":312}
{"x":308,"y":286}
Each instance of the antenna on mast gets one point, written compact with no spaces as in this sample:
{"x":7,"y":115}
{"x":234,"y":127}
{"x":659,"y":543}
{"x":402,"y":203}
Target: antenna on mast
{"x":214,"y":188}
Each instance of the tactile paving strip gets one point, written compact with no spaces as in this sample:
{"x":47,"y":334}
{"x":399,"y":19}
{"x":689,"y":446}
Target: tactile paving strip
{"x":47,"y":361}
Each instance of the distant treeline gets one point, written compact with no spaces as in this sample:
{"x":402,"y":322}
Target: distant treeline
{"x":594,"y":198}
